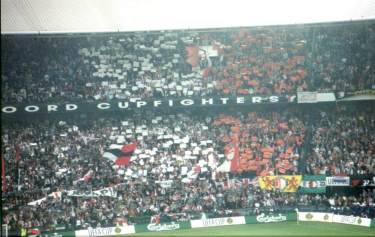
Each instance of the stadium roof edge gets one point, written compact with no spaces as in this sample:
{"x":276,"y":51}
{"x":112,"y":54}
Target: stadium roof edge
{"x":71,"y":16}
{"x":106,"y":32}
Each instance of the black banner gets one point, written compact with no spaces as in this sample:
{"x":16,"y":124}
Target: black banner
{"x":346,"y":94}
{"x":362,"y":180}
{"x":130,"y":105}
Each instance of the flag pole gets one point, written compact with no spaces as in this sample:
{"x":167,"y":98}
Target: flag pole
{"x":3,"y":175}
{"x":18,"y":181}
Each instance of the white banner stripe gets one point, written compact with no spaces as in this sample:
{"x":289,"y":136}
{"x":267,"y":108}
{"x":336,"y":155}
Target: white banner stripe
{"x":110,"y":156}
{"x":115,"y":146}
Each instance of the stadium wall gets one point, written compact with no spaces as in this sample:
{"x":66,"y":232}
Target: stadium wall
{"x":211,"y":222}
{"x":332,"y":218}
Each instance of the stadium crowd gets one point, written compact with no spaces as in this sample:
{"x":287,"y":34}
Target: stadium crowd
{"x":178,"y":168}
{"x":52,"y":153}
{"x":180,"y":165}
{"x":343,"y":143}
{"x":268,"y":61}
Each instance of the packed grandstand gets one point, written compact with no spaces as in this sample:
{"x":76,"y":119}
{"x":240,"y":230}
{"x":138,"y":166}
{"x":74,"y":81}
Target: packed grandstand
{"x":266,"y":152}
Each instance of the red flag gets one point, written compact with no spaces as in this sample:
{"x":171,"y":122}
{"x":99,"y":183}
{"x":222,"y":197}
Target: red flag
{"x":128,"y":148}
{"x":123,"y":161}
{"x":120,"y":154}
{"x":18,"y":153}
{"x":235,"y":163}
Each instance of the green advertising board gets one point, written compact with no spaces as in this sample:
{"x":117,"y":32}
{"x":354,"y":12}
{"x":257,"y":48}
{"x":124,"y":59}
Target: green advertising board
{"x":162,"y":226}
{"x":58,"y":234}
{"x":267,"y":218}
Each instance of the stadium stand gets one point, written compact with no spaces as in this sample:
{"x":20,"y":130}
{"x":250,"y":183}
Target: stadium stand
{"x":84,"y":170}
{"x":266,"y":60}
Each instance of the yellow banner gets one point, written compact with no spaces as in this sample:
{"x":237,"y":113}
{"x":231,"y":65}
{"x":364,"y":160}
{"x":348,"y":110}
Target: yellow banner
{"x":284,"y":183}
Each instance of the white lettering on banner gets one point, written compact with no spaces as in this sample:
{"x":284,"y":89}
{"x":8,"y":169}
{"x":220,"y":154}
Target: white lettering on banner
{"x":100,"y":231}
{"x":348,"y":219}
{"x":161,"y":227}
{"x":31,"y":108}
{"x":104,"y":106}
{"x":257,"y":99}
{"x":52,"y":108}
{"x":240,"y":100}
{"x":237,"y":220}
{"x":123,"y":105}
{"x":209,"y":101}
{"x":265,"y":219}
{"x":105,"y":192}
{"x":141,"y":103}
{"x":352,"y":220}
{"x":69,"y":107}
{"x":329,"y":217}
{"x":224,"y":100}
{"x":338,"y":181}
{"x":49,"y":108}
{"x":109,"y":231}
{"x":9,"y":109}
{"x":187,"y":102}
{"x":274,"y":99}
{"x":214,"y":222}
{"x":157,"y":103}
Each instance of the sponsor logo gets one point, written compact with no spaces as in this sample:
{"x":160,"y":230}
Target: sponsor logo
{"x":265,"y":219}
{"x":117,"y":230}
{"x":214,"y":222}
{"x":235,"y":220}
{"x":309,"y":216}
{"x":100,"y":231}
{"x":160,"y":227}
{"x":338,"y":181}
{"x":312,"y":184}
{"x":352,"y":220}
{"x":348,"y":219}
{"x":326,"y":217}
